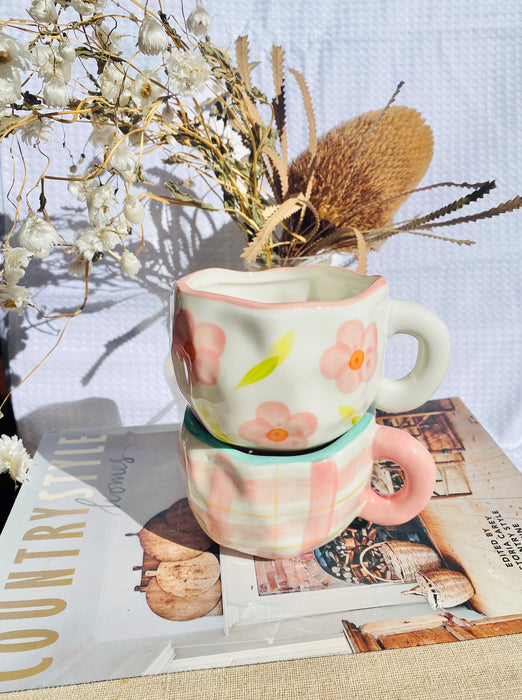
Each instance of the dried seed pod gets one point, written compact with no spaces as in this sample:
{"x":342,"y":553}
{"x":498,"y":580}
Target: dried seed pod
{"x":394,"y":159}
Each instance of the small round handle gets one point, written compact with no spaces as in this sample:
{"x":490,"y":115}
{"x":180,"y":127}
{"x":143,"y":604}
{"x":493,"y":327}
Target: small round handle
{"x":396,"y":395}
{"x":419,"y":478}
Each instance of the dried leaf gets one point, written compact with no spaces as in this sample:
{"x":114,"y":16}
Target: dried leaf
{"x":8,"y":123}
{"x":279,"y":184}
{"x":284,"y":210}
{"x":309,"y":108}
{"x":279,"y":101}
{"x":459,"y":241}
{"x":481,"y":190}
{"x":243,"y":66}
{"x":407,"y":193}
{"x":242,"y":59}
{"x":185,"y":198}
{"x":212,"y":51}
{"x":504,"y":208}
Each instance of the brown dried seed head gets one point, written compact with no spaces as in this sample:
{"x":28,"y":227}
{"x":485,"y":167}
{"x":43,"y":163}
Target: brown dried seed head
{"x":394,"y":159}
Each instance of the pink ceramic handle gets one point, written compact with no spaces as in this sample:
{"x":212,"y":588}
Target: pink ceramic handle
{"x":419,"y":474}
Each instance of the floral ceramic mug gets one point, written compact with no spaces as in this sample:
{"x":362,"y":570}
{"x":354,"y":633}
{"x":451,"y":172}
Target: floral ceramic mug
{"x":290,"y":358}
{"x":281,"y":505}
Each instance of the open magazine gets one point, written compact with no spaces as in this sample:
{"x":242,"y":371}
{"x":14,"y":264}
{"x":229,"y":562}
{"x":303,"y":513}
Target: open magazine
{"x":105,"y":573}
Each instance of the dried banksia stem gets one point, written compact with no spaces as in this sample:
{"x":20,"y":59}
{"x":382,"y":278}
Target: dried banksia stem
{"x":356,"y":170}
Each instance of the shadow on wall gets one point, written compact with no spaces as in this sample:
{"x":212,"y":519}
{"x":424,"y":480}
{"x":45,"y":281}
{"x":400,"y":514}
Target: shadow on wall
{"x":184,"y":239}
{"x":93,"y":413}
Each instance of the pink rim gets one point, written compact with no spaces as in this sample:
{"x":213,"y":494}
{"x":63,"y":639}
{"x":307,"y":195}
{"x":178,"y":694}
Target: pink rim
{"x":183,"y":286}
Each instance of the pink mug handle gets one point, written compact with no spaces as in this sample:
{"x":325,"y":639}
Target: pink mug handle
{"x":419,"y":474}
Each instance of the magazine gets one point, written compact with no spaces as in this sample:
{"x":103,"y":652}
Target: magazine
{"x":106,"y":574}
{"x":464,"y":549}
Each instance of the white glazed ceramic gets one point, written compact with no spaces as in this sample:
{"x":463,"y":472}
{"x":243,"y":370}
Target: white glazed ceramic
{"x":282,"y":505}
{"x":289,"y":358}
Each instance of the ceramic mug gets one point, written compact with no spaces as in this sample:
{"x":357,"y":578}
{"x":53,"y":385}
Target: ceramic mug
{"x":290,"y":358}
{"x":281,"y":505}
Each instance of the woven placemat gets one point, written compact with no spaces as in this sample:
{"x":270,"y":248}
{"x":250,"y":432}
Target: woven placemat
{"x":476,"y":670}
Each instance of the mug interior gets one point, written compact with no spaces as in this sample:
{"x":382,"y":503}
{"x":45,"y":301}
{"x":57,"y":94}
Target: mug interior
{"x":262,"y":457}
{"x":313,"y":284}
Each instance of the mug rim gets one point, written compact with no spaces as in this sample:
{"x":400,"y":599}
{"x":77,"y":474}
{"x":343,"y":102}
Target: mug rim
{"x":183,"y":286}
{"x":242,"y":454}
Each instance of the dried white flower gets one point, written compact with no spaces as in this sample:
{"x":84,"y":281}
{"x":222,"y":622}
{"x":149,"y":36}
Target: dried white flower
{"x":133,"y":209}
{"x":130,"y":263}
{"x":80,"y":188}
{"x":123,"y":161}
{"x":199,"y":21}
{"x":14,"y":458}
{"x":94,"y":241}
{"x":100,"y":199}
{"x":55,"y":93}
{"x":114,"y":85}
{"x":12,"y":57}
{"x":15,"y":262}
{"x":13,"y":53}
{"x":88,"y":7}
{"x":66,"y":51}
{"x":187,"y":71}
{"x":145,"y":90}
{"x":14,"y":297}
{"x":43,"y":11}
{"x":38,"y":131}
{"x":50,"y":63}
{"x":10,"y":88}
{"x":38,"y":236}
{"x":152,"y":38}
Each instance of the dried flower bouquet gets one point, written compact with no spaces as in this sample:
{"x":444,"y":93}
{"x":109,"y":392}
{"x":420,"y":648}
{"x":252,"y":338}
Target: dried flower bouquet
{"x":148,"y":85}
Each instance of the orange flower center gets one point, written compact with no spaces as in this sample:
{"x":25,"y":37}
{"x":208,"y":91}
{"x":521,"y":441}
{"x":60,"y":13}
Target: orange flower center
{"x":356,"y":360}
{"x":190,"y":350}
{"x":277,"y":434}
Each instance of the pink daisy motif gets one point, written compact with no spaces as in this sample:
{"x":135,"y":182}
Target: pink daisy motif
{"x":354,"y":358}
{"x":199,"y":346}
{"x":275,"y":427}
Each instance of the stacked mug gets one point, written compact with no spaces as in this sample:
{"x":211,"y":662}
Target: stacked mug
{"x":282,"y":370}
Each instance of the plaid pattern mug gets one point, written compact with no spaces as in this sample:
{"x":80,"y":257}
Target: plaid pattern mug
{"x":281,"y":505}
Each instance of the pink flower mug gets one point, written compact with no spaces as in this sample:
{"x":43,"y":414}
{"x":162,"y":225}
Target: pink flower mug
{"x":281,"y":505}
{"x":289,"y":358}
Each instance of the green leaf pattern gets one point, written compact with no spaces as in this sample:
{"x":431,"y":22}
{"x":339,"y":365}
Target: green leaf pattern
{"x":277,"y":354}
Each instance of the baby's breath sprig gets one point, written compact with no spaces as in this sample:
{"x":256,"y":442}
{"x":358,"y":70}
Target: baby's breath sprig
{"x":145,"y":84}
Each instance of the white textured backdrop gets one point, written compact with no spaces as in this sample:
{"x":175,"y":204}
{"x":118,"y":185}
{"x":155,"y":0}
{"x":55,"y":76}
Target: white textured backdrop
{"x":461,"y":63}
